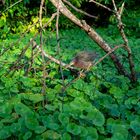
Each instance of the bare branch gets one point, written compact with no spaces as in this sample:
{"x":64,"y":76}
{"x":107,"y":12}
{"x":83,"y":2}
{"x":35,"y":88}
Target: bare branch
{"x":26,"y":47}
{"x":58,"y":48}
{"x":111,"y":51}
{"x":18,"y":41}
{"x":78,"y":10}
{"x":49,"y":56}
{"x":42,"y":54}
{"x":105,"y":7}
{"x":12,"y":5}
{"x":93,"y":34}
{"x":126,"y":46}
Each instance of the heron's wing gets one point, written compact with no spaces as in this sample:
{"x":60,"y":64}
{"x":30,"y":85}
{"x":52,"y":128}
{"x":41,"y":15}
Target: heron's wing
{"x":86,"y":56}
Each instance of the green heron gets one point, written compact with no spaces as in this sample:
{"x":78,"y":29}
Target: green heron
{"x":83,"y":60}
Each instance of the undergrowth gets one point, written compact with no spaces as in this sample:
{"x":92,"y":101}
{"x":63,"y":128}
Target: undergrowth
{"x":101,"y":106}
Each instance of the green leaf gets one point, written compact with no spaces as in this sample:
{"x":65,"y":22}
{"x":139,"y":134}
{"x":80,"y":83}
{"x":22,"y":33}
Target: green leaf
{"x":15,"y":127}
{"x":27,"y":135}
{"x":31,"y":122}
{"x":51,"y":107}
{"x":92,"y":133}
{"x":50,"y":134}
{"x":51,"y":94}
{"x":63,"y":118}
{"x":79,"y":84}
{"x":118,"y":136}
{"x":74,"y":93}
{"x":35,"y":98}
{"x":5,"y":133}
{"x":1,"y":125}
{"x":135,"y":125}
{"x":94,"y":116}
{"x":66,"y":136}
{"x":73,"y":128}
{"x":120,"y":130}
{"x":39,"y":129}
{"x":22,"y":109}
{"x":117,"y":92}
{"x":49,"y":122}
{"x":7,"y":108}
{"x":80,"y":104}
{"x":84,"y":131}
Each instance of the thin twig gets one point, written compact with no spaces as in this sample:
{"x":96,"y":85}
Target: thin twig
{"x":101,"y":59}
{"x":105,"y":7}
{"x":31,"y":60}
{"x":12,"y":5}
{"x":126,"y":46}
{"x":111,"y":51}
{"x":78,"y":10}
{"x":19,"y":40}
{"x":42,"y":54}
{"x":21,"y":55}
{"x":26,"y":47}
{"x":51,"y":57}
{"x":58,"y":49}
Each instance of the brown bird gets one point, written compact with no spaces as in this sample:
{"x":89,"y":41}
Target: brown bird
{"x":83,"y":60}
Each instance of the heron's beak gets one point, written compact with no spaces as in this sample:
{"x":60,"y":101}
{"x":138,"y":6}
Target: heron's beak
{"x":69,"y":65}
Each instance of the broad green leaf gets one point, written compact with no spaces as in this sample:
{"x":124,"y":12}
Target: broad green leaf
{"x":1,"y":125}
{"x":74,"y":93}
{"x":5,"y":133}
{"x":79,"y":84}
{"x":50,"y":134}
{"x":49,"y":122}
{"x":63,"y":118}
{"x":31,"y":122}
{"x":8,"y":106}
{"x":51,"y":94}
{"x":120,"y":129}
{"x":84,"y":131}
{"x":27,"y":135}
{"x":15,"y":127}
{"x":135,"y":125}
{"x":73,"y":129}
{"x":94,"y":116}
{"x":92,"y":133}
{"x":117,"y":92}
{"x":39,"y":129}
{"x":22,"y":109}
{"x":51,"y":107}
{"x":66,"y":136}
{"x":35,"y":98}
{"x":118,"y":136}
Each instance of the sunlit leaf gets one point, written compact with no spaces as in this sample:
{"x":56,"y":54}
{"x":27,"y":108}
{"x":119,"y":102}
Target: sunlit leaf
{"x":50,"y":134}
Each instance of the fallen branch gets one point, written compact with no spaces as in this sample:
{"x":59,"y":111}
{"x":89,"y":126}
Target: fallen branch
{"x":93,"y":34}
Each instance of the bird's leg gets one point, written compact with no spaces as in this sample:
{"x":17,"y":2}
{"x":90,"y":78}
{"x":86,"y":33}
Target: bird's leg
{"x":81,"y":74}
{"x":88,"y":67}
{"x":69,"y":65}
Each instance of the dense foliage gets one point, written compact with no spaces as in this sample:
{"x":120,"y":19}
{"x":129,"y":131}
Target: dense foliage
{"x":103,"y":105}
{"x":100,"y":106}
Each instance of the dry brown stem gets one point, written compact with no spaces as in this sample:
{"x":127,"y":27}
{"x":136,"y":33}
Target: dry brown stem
{"x":126,"y":45}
